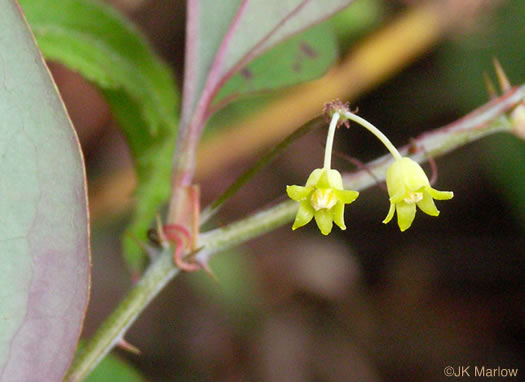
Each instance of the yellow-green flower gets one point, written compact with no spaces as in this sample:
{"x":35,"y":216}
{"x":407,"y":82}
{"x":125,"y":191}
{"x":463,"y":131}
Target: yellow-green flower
{"x":408,"y":186}
{"x":324,"y":198}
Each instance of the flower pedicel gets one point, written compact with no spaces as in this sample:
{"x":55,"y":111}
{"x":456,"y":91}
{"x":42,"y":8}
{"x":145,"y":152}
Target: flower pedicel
{"x":324,"y":197}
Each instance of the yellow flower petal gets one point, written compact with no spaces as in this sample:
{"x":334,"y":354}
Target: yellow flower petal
{"x":440,"y":195}
{"x":346,"y":196}
{"x":324,"y":221}
{"x":304,"y":215}
{"x":405,"y":215}
{"x":427,"y":205}
{"x":298,"y":193}
{"x":335,"y":180}
{"x":390,"y":214}
{"x":323,"y":180}
{"x":399,"y":196}
{"x":408,"y":186}
{"x":314,"y":177}
{"x":339,"y":215}
{"x":324,"y":198}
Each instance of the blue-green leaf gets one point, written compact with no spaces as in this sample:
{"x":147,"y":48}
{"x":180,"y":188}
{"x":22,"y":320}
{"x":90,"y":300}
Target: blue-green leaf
{"x":44,"y":231}
{"x":92,"y":38}
{"x":301,"y":58}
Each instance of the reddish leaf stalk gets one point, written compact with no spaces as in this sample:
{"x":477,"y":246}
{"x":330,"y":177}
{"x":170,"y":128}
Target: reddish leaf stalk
{"x":193,"y":121}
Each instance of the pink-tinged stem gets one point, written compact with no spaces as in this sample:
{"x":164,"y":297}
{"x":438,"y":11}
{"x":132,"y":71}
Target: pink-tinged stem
{"x":437,"y":142}
{"x":173,"y":233}
{"x":250,"y":55}
{"x":440,"y":141}
{"x":179,"y":261}
{"x":190,"y":58}
{"x":173,"y":230}
{"x":193,"y":121}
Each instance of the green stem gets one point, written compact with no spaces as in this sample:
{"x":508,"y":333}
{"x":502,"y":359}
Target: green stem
{"x":256,"y":225}
{"x":486,"y":120}
{"x":253,"y":226}
{"x":112,"y":330}
{"x":265,"y":160}
{"x":330,"y":141}
{"x":374,"y":130}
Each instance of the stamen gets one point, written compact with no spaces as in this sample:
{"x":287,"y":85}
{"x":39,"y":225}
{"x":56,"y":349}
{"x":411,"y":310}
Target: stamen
{"x":323,"y":198}
{"x":413,"y":197}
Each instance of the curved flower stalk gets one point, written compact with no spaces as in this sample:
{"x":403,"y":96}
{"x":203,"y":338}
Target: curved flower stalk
{"x":408,"y":185}
{"x":323,"y":196}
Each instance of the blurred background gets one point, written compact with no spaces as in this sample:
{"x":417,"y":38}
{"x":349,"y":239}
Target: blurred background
{"x":366,"y":304}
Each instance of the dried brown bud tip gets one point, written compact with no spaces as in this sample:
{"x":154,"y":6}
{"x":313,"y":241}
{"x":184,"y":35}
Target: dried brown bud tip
{"x":337,"y":106}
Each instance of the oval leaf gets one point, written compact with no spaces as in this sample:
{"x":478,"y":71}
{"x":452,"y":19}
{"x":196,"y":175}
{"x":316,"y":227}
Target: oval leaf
{"x":242,"y":30}
{"x":44,"y":238}
{"x":299,"y":59}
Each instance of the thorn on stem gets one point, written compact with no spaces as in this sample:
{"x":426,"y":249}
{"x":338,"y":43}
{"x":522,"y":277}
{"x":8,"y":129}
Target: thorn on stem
{"x":153,"y":237}
{"x":504,"y":82}
{"x":150,"y":250}
{"x":125,"y":345}
{"x":183,"y":264}
{"x":206,"y":268}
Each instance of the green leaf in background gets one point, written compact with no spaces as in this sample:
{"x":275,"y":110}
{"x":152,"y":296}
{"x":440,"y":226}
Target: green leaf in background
{"x":299,"y":59}
{"x":356,"y":20}
{"x":348,"y":25}
{"x":44,"y":234}
{"x":463,"y":62}
{"x":236,"y":289}
{"x":242,"y":31}
{"x":91,"y":38}
{"x":504,"y":161}
{"x":153,"y":161}
{"x":464,"y":59}
{"x":114,"y":369}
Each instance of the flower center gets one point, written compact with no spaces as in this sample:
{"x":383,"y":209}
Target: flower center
{"x":413,"y":197}
{"x":323,"y":198}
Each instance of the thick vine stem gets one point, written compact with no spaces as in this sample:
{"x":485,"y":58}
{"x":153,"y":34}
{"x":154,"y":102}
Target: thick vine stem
{"x":117,"y":324}
{"x":489,"y":119}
